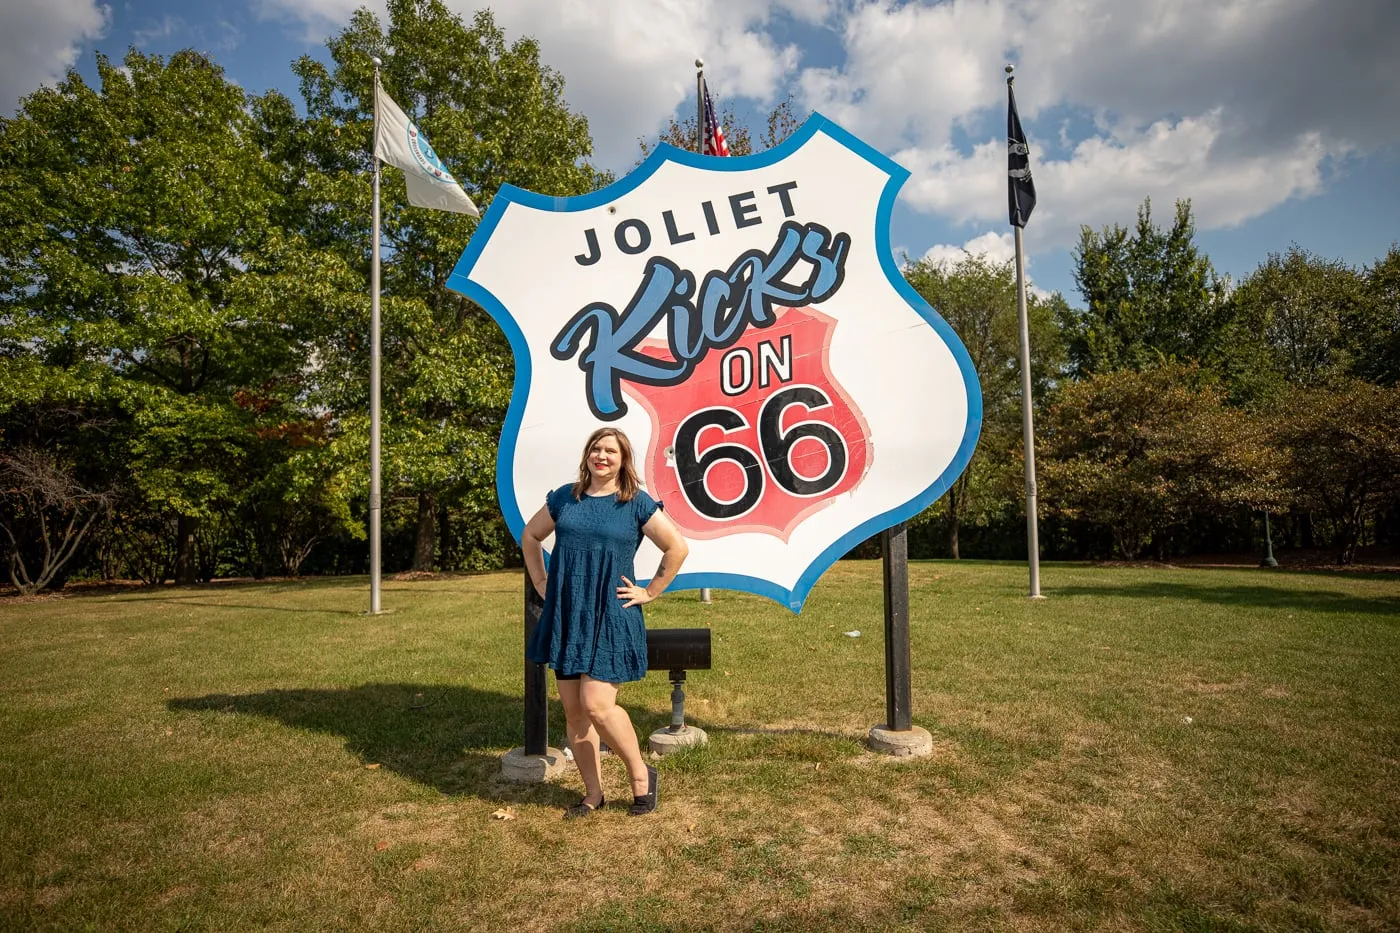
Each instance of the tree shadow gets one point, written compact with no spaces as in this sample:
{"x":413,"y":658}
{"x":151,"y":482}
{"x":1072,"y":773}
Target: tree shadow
{"x":195,"y":599}
{"x":1260,"y":597}
{"x":434,"y":734}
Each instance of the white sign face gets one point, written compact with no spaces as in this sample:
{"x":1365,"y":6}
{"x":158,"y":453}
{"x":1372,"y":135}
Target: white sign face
{"x":742,"y":320}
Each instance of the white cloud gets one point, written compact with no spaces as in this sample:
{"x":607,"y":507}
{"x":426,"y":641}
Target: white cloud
{"x":911,"y":72}
{"x":156,"y":30}
{"x":40,"y":40}
{"x":1105,"y":178}
{"x":995,"y":247}
{"x":627,"y":65}
{"x":1239,"y":105}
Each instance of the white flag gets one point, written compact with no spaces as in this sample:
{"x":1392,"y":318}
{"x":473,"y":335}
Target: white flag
{"x":398,"y":142}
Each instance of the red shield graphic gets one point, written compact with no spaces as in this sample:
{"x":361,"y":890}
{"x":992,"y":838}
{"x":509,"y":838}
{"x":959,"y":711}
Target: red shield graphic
{"x":759,"y":437}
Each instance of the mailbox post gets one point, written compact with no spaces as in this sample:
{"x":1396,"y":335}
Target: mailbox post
{"x":677,"y":650}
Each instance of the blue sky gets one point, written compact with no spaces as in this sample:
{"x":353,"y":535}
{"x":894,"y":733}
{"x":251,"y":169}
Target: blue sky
{"x":1278,"y":118}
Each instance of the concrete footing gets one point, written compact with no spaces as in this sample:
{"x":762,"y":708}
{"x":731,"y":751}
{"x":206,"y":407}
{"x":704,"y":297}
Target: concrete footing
{"x":521,"y":768}
{"x":902,"y":744}
{"x":664,"y":741}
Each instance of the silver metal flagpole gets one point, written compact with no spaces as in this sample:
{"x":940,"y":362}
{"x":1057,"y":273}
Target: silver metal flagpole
{"x":700,"y":148}
{"x":1027,"y":425}
{"x":375,"y":604}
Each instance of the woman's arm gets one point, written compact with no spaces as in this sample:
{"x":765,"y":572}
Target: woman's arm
{"x":664,"y":534}
{"x":539,"y":527}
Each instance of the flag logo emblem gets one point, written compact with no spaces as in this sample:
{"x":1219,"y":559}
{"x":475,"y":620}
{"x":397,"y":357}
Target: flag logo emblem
{"x":426,"y":158}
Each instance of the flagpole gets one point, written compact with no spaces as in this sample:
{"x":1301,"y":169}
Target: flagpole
{"x":700,"y":149}
{"x":700,"y":106}
{"x":375,"y":603}
{"x":1027,"y":422}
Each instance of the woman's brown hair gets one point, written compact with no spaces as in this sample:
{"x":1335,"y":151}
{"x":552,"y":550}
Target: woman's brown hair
{"x":627,"y":482}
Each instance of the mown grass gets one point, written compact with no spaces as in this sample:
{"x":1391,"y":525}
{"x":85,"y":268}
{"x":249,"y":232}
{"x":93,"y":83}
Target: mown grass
{"x":1153,"y":749}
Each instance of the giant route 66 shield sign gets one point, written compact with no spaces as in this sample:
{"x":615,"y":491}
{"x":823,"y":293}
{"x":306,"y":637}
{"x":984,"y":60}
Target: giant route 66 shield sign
{"x":743,"y":321}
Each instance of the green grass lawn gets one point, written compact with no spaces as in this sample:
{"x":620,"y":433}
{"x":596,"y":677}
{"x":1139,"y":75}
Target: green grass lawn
{"x":1154,"y":749}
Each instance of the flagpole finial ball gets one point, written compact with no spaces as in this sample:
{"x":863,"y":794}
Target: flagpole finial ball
{"x":1010,"y":68}
{"x":376,"y":61}
{"x":699,"y":63}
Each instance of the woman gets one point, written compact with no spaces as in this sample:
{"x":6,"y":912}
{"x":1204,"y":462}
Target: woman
{"x":591,"y":631}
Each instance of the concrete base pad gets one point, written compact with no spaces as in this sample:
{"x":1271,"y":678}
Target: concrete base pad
{"x":912,"y":743}
{"x":664,"y":741}
{"x":521,"y":768}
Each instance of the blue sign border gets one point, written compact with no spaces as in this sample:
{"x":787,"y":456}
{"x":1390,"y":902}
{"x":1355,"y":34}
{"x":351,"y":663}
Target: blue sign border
{"x":505,"y":456}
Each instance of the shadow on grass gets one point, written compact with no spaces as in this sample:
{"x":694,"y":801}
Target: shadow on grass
{"x":195,"y":600}
{"x":433,"y":734}
{"x":1260,"y":597}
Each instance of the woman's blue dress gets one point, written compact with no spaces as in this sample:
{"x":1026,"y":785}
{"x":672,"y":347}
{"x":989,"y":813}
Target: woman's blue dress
{"x":583,"y":628}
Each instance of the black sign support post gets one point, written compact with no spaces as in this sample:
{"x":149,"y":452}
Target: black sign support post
{"x":898,"y":714}
{"x":536,"y":709}
{"x":898,"y":735}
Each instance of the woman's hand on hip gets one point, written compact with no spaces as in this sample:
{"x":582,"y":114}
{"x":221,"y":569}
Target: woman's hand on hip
{"x":633,"y":595}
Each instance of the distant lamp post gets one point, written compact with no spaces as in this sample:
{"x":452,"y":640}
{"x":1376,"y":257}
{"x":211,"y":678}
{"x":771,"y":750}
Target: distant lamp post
{"x":1268,"y":560}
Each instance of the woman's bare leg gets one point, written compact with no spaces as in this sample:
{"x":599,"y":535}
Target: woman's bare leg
{"x":599,"y":701}
{"x":583,"y":741}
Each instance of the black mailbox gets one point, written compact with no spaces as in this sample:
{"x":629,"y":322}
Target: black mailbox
{"x":678,"y":649}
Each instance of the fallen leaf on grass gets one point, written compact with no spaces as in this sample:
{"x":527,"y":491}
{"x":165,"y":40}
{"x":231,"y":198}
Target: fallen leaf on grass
{"x":381,"y":845}
{"x":505,"y":813}
{"x":690,"y":828}
{"x":372,"y":767}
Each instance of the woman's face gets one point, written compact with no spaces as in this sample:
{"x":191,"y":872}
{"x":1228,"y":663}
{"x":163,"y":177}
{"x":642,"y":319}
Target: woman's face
{"x":605,"y":458}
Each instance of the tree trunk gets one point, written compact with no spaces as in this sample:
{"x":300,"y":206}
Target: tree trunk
{"x":445,"y":537}
{"x":425,"y":539}
{"x":185,"y":564}
{"x":953,"y":529}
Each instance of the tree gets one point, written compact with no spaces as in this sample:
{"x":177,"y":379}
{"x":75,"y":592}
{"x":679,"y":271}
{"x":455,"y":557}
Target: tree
{"x":1150,"y":294}
{"x":1342,"y":444}
{"x":495,"y":114}
{"x":46,"y":514}
{"x":59,"y":474}
{"x":146,"y":247}
{"x":977,"y":298}
{"x":1377,"y":336}
{"x":780,"y":123}
{"x":1306,"y":314}
{"x":1145,"y":453}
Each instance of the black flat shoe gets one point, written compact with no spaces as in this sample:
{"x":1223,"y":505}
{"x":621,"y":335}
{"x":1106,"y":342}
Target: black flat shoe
{"x":580,"y":810}
{"x":645,"y":803}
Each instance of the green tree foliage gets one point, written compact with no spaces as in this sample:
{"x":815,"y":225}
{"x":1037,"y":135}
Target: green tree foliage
{"x":494,"y":114}
{"x":1300,"y":316}
{"x":1143,"y":454}
{"x":146,"y":248}
{"x":1378,"y":339}
{"x":780,"y":123}
{"x":1342,"y":446}
{"x":1151,"y":296}
{"x":977,"y":298}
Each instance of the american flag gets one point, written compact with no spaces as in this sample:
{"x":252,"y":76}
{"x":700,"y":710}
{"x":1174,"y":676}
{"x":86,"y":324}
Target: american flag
{"x":714,"y":133}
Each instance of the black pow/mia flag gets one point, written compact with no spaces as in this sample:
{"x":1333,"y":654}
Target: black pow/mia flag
{"x":1020,"y":188}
